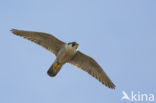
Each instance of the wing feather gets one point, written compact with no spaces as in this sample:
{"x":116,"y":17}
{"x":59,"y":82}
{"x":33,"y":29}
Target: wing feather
{"x":89,"y":65}
{"x":46,"y":40}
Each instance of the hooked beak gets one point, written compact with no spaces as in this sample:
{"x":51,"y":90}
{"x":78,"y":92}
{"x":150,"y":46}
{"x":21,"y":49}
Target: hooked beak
{"x":77,"y":43}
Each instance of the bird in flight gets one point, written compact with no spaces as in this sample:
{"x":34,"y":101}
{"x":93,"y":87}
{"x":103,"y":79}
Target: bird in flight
{"x":66,"y":53}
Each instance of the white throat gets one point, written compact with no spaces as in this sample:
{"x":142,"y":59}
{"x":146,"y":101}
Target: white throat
{"x":70,"y":48}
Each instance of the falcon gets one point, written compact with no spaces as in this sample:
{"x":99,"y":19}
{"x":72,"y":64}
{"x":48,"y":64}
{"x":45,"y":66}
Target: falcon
{"x":66,"y":53}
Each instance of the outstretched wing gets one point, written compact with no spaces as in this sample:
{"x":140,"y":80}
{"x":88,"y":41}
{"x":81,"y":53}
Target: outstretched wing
{"x":44,"y":39}
{"x":92,"y":67}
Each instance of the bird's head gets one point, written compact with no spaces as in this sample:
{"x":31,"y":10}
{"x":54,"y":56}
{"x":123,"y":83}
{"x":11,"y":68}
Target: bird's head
{"x":73,"y":44}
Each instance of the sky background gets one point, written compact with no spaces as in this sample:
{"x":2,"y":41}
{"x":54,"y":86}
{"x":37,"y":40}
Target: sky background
{"x":119,"y":34}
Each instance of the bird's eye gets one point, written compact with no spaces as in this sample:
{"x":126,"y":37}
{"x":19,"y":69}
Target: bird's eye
{"x":73,"y":44}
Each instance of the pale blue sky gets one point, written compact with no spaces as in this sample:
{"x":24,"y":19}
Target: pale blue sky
{"x":119,"y":34}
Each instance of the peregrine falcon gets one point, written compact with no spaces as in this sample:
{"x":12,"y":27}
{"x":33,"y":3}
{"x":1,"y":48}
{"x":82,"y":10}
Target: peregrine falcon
{"x":66,"y":53}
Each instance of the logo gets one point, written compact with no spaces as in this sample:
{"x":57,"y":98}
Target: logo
{"x":137,"y":96}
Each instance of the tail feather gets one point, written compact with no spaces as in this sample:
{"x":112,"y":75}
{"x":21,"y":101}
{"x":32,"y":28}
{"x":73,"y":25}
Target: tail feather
{"x":54,"y":69}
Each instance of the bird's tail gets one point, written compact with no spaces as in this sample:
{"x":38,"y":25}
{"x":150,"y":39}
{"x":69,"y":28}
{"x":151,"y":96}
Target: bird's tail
{"x":54,"y":69}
